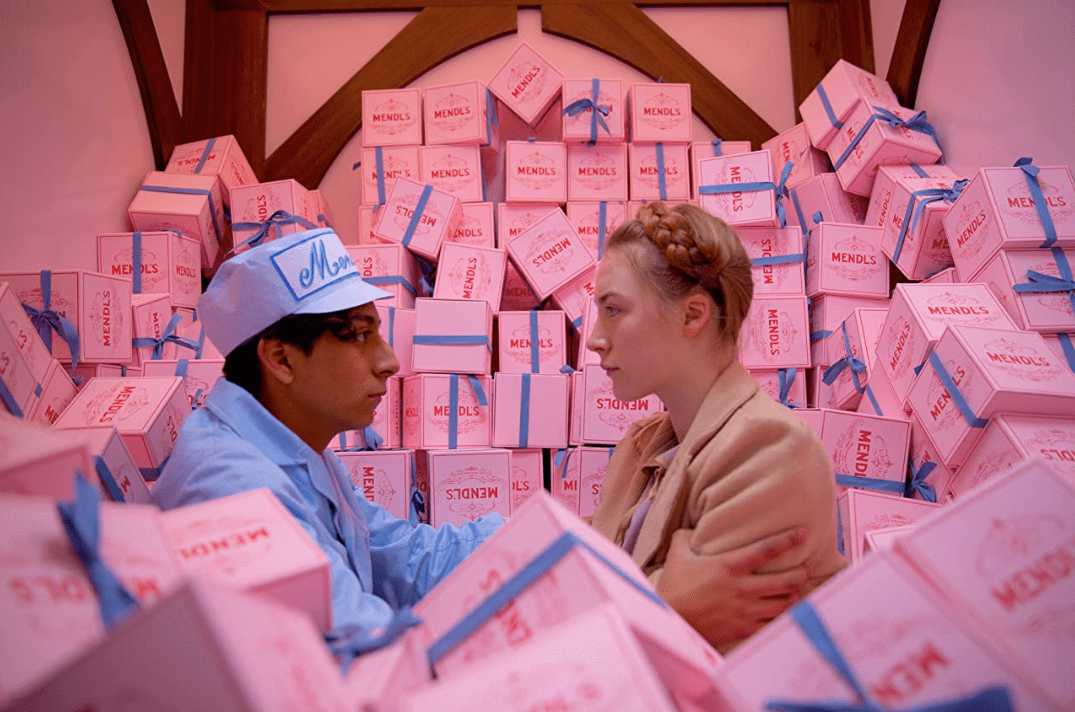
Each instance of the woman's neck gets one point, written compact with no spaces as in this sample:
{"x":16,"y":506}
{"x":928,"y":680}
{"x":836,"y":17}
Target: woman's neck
{"x":685,"y":396}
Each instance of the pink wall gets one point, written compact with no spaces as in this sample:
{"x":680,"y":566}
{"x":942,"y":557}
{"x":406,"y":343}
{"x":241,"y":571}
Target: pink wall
{"x":76,"y":146}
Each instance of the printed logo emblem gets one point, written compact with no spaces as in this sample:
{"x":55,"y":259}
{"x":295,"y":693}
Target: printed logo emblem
{"x":313,"y":264}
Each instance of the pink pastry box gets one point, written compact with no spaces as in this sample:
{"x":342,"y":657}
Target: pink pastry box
{"x":786,"y":386}
{"x":190,"y":204}
{"x":150,"y":315}
{"x":381,"y":166}
{"x":148,"y":413}
{"x":918,"y":316}
{"x":382,"y":477}
{"x":527,"y":84}
{"x":927,"y":470}
{"x":597,"y":172}
{"x":452,"y":336}
{"x":24,"y":359}
{"x":852,"y":345}
{"x":945,"y":276}
{"x":824,"y":195}
{"x":419,"y":225}
{"x":846,"y":259}
{"x":392,"y":268}
{"x":120,"y":478}
{"x":776,"y":333}
{"x":527,"y":476}
{"x":867,"y":451}
{"x":1010,"y":272}
{"x":535,"y":172}
{"x":712,"y":149}
{"x":914,"y":237}
{"x":785,"y":275}
{"x":272,"y":210}
{"x":392,"y":117}
{"x":367,"y":220}
{"x":199,"y":375}
{"x":862,"y":511}
{"x":549,"y":254}
{"x":456,"y":170}
{"x":991,"y":371}
{"x":428,"y":406}
{"x":881,"y":539}
{"x":514,"y":218}
{"x":397,"y":328}
{"x":467,"y":484}
{"x":477,"y":226}
{"x":648,"y":162}
{"x":879,"y":398}
{"x":250,"y":542}
{"x":998,"y":211}
{"x":658,"y":112}
{"x":168,"y":262}
{"x":580,"y":124}
{"x":793,"y":146}
{"x":379,"y":679}
{"x":604,"y":417}
{"x":97,"y":305}
{"x":1001,"y":559}
{"x":577,"y":480}
{"x":519,"y":332}
{"x":463,"y":113}
{"x":38,"y":460}
{"x":587,"y":219}
{"x":220,"y":156}
{"x":49,"y":611}
{"x":471,"y":272}
{"x":324,"y":214}
{"x":530,"y":410}
{"x":843,"y":88}
{"x":721,"y":196}
{"x":387,"y":421}
{"x":57,"y":391}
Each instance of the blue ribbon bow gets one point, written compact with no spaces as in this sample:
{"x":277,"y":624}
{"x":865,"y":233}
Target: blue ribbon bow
{"x":778,"y":189}
{"x":919,"y":200}
{"x":45,"y":320}
{"x":599,"y":112}
{"x":917,"y":481}
{"x":276,"y":220}
{"x":350,"y":641}
{"x":848,"y":361}
{"x":167,"y":336}
{"x":717,"y":147}
{"x":1031,"y":172}
{"x":917,"y":123}
{"x":1040,"y":282}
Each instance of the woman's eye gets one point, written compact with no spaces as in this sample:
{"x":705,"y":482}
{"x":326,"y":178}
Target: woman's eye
{"x":611,"y":310}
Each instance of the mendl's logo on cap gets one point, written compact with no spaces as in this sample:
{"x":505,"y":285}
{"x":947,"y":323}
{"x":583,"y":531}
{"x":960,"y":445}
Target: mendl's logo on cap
{"x":309,"y":266}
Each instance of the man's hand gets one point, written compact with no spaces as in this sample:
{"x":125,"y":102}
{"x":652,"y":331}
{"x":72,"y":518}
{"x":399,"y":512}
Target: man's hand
{"x":722,"y":595}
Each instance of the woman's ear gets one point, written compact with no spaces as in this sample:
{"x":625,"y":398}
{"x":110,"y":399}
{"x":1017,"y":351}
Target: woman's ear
{"x":274,"y":356}
{"x":698,"y":312}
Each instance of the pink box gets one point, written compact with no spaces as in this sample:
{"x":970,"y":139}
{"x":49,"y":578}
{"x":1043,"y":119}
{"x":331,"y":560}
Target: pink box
{"x":438,"y":219}
{"x":394,"y":162}
{"x":660,"y":112}
{"x":253,"y":207}
{"x":324,"y":213}
{"x":48,"y":607}
{"x":612,"y":110}
{"x":644,"y":161}
{"x":924,"y":248}
{"x":846,"y":259}
{"x":24,"y":359}
{"x":193,"y":330}
{"x":250,"y":542}
{"x":868,"y":446}
{"x":776,"y":334}
{"x":516,"y":330}
{"x":367,"y":220}
{"x":862,"y":511}
{"x":712,"y":149}
{"x":597,"y":172}
{"x":477,"y":226}
{"x":191,"y":204}
{"x":224,"y":650}
{"x":605,"y":418}
{"x":387,"y":421}
{"x":456,"y":170}
{"x":997,"y":211}
{"x":546,"y":410}
{"x":391,"y":117}
{"x":57,"y":391}
{"x":527,"y":84}
{"x":586,"y":467}
{"x":1050,"y":312}
{"x":148,"y":413}
{"x":514,"y":219}
{"x":918,"y":316}
{"x":793,"y":146}
{"x":881,"y":539}
{"x":112,"y":462}
{"x":517,"y":294}
{"x":820,"y":393}
{"x":586,"y":218}
{"x":583,"y":354}
{"x":845,"y":87}
{"x":44,"y":462}
{"x":924,"y":455}
{"x":1010,"y":439}
{"x":549,"y":254}
{"x":427,"y":406}
{"x":169,"y":263}
{"x":392,"y":268}
{"x":574,"y":297}
{"x":879,"y":398}
{"x":527,"y":476}
{"x":199,"y":375}
{"x":462,"y":113}
{"x":994,"y":372}
{"x":221,"y":156}
{"x":1064,"y":347}
{"x":863,"y":329}
{"x":814,"y":417}
{"x":794,"y":382}
{"x":824,"y":194}
{"x":945,"y":276}
{"x":992,"y":555}
{"x":470,"y":272}
{"x":465,"y":485}
{"x":151,"y":313}
{"x":397,"y":328}
{"x":752,"y":207}
{"x":97,"y":305}
{"x":378,"y":680}
{"x":766,"y":242}
{"x":470,"y":319}
{"x":566,"y":478}
{"x":535,"y":172}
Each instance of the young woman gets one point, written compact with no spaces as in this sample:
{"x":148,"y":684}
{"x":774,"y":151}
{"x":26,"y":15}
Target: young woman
{"x":726,"y":466}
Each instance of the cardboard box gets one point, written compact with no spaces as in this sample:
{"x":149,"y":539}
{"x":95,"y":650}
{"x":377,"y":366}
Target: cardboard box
{"x":167,"y":262}
{"x":38,"y":460}
{"x":527,"y":84}
{"x":823,"y":194}
{"x":477,"y":226}
{"x":190,"y":204}
{"x":428,"y":412}
{"x":647,"y":164}
{"x":763,"y":244}
{"x":587,"y":220}
{"x":530,"y":410}
{"x":199,"y":375}
{"x":945,"y":276}
{"x":549,"y":254}
{"x":605,"y":418}
{"x":220,"y":156}
{"x":854,"y":346}
{"x":120,"y":479}
{"x":881,"y":539}
{"x":581,"y":124}
{"x":535,"y":172}
{"x":421,"y":231}
{"x":776,"y":334}
{"x":574,"y":297}
{"x":1064,"y":346}
{"x":378,"y":680}
{"x":463,"y":113}
{"x":846,"y":259}
{"x":793,"y":146}
{"x":577,"y":481}
{"x":870,"y":451}
{"x":1044,"y":311}
{"x":597,"y":172}
{"x":712,"y":149}
{"x":527,"y":476}
{"x":57,"y":391}
{"x":452,"y":336}
{"x":397,"y":328}
{"x":754,"y":206}
{"x":367,"y":221}
{"x":382,"y":477}
{"x":265,"y":211}
{"x":517,"y":294}
{"x":878,"y":397}
{"x":519,"y":332}
{"x":927,"y":470}
{"x":786,"y":386}
{"x":382,"y":165}
{"x":843,"y":88}
{"x":660,"y":112}
{"x":391,"y":117}
{"x":392,"y":268}
{"x":467,"y":485}
{"x":24,"y":358}
{"x":514,"y":218}
{"x":456,"y":170}
{"x":470,"y":272}
{"x":151,"y":316}
{"x":862,"y":511}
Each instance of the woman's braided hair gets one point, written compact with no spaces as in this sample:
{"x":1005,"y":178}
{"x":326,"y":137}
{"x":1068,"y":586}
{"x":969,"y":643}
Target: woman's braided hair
{"x":682,"y":248}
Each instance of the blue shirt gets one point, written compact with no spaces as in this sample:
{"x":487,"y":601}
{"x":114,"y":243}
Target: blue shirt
{"x":379,"y":563}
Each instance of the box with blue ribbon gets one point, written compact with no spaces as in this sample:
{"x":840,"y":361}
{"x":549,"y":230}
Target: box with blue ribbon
{"x":593,"y":111}
{"x":57,"y":392}
{"x":420,"y":217}
{"x":168,"y":262}
{"x":530,"y":410}
{"x":777,"y":258}
{"x":793,"y":146}
{"x":381,"y":166}
{"x":268,"y":211}
{"x":845,"y":87}
{"x":446,"y":411}
{"x":452,"y":336}
{"x":658,"y":171}
{"x":192,"y":204}
{"x":863,"y":510}
{"x":113,"y":464}
{"x":462,"y":114}
{"x":467,"y":485}
{"x":595,"y":220}
{"x":776,"y":333}
{"x":867,"y":451}
{"x":220,"y":156}
{"x":743,"y":191}
{"x":456,"y":170}
{"x":851,"y":353}
{"x":1037,"y":285}
{"x":390,"y":267}
{"x":714,"y":148}
{"x":659,"y":112}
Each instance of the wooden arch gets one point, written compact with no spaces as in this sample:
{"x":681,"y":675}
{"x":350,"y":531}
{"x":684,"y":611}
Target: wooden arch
{"x":226,"y":63}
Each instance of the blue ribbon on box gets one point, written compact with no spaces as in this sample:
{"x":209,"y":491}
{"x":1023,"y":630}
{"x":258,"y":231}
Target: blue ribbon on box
{"x":794,"y":192}
{"x":820,"y":334}
{"x":717,"y":147}
{"x":524,"y":412}
{"x":107,"y":478}
{"x":872,"y":483}
{"x":562,"y":458}
{"x":1041,"y":283}
{"x":453,"y":405}
{"x":805,"y":616}
{"x":453,"y":340}
{"x":491,"y":117}
{"x":527,"y":575}
{"x":918,"y":169}
{"x":1031,"y":172}
{"x":917,"y":482}
{"x":839,"y":530}
{"x":917,"y":203}
{"x":136,"y":262}
{"x":392,"y":327}
{"x":1068,"y":348}
{"x":577,"y":322}
{"x":167,"y":337}
{"x":535,"y":351}
{"x":953,"y":390}
{"x":152,"y":473}
{"x":350,"y":641}
{"x":394,"y":279}
{"x":417,"y":217}
{"x":205,"y":155}
{"x":873,"y":400}
{"x":280,"y":217}
{"x":45,"y":320}
{"x":848,"y":361}
{"x":916,"y":123}
{"x":827,"y":105}
{"x":189,"y":191}
{"x":8,"y":398}
{"x":778,"y":190}
{"x":181,"y":367}
{"x":602,"y":227}
{"x":81,"y":521}
{"x":417,"y":502}
{"x":787,"y":379}
{"x":371,"y":440}
{"x":378,"y":153}
{"x":662,"y":187}
{"x":599,"y":112}
{"x":324,"y":220}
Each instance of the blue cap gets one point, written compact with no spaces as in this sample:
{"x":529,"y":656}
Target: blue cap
{"x":303,"y":273}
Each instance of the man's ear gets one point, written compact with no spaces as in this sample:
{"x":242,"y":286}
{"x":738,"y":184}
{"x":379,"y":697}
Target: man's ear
{"x":698,"y":312}
{"x":274,"y":356}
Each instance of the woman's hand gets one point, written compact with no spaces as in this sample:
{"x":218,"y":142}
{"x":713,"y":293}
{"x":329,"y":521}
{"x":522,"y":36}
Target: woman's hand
{"x":722,"y":595}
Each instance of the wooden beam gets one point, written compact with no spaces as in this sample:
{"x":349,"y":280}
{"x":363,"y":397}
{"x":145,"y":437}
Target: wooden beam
{"x":158,"y":97}
{"x":225,"y":80}
{"x":433,"y":36}
{"x":625,"y":32}
{"x":856,"y":33}
{"x":905,"y":69}
{"x":314,"y":6}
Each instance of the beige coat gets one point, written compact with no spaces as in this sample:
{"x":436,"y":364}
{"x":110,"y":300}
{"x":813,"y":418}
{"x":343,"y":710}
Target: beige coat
{"x":747,"y":468}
